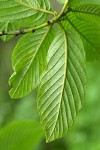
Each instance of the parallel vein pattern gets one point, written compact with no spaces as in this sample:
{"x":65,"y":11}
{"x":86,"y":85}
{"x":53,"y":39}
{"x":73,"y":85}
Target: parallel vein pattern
{"x":73,"y":3}
{"x":20,"y":135}
{"x":10,"y":10}
{"x":88,"y":12}
{"x":29,"y":61}
{"x":89,"y":33}
{"x":62,"y":85}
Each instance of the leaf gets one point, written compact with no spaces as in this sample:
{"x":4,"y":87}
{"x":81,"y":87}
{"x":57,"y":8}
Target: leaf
{"x":29,"y":62}
{"x":77,"y":2}
{"x":62,"y":85}
{"x":89,"y":33}
{"x":87,"y":12}
{"x":20,"y":135}
{"x":10,"y":10}
{"x":7,"y":26}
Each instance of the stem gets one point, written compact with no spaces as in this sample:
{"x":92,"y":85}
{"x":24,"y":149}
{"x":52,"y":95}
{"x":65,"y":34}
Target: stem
{"x":24,"y":31}
{"x":35,"y":8}
{"x":32,"y":29}
{"x":64,"y":9}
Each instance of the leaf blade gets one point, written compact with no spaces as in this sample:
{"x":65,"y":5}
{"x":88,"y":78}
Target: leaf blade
{"x":88,"y":12}
{"x":89,"y":33}
{"x":60,"y":71}
{"x":28,"y":61}
{"x":55,"y":113}
{"x":20,"y":135}
{"x":14,"y":12}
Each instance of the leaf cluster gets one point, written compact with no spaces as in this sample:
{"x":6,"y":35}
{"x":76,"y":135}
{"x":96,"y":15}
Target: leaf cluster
{"x":52,"y":60}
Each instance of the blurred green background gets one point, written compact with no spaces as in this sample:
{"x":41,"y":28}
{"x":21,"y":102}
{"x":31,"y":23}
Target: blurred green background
{"x":20,"y":127}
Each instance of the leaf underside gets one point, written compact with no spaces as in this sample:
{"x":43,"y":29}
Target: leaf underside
{"x":12,"y":11}
{"x":85,"y":20}
{"x":62,"y":85}
{"x":76,"y":2}
{"x":29,"y":62}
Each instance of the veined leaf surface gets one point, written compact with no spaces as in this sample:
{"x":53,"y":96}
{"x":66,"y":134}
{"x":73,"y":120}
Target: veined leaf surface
{"x":62,"y":85}
{"x":20,"y":135}
{"x":10,"y":10}
{"x":29,"y":61}
{"x":87,"y":12}
{"x":88,"y":31}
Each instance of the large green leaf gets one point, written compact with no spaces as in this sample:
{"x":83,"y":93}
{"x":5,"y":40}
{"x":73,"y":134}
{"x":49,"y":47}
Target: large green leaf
{"x":10,"y":10}
{"x":62,"y":85}
{"x":20,"y":135}
{"x":29,"y":61}
{"x":88,"y":31}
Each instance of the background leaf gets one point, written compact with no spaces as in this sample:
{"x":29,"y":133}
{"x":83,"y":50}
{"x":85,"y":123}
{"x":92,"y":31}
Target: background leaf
{"x":29,"y":61}
{"x":77,"y":2}
{"x":62,"y":85}
{"x":20,"y":135}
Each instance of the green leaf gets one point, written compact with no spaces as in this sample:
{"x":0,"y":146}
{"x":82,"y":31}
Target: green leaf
{"x":87,"y":12}
{"x":7,"y":26}
{"x":62,"y":85}
{"x":77,"y":2}
{"x":29,"y":61}
{"x":20,"y":135}
{"x":10,"y":10}
{"x":89,"y":33}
